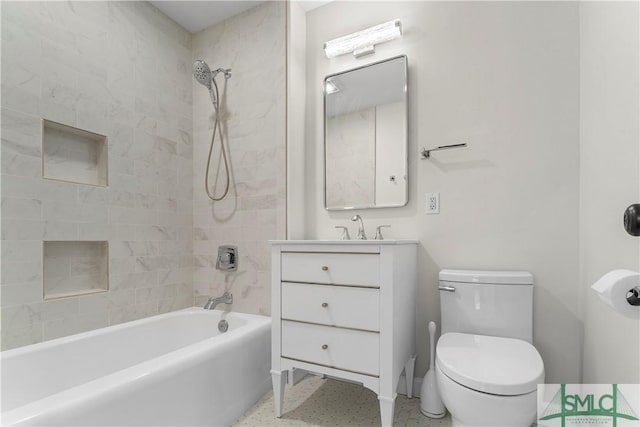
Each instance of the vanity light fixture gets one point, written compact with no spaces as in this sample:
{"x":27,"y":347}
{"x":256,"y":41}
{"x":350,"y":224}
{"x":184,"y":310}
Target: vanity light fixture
{"x":363,"y":42}
{"x":331,"y":87}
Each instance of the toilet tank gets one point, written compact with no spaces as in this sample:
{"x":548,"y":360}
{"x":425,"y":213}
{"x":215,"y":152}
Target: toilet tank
{"x":497,"y":303}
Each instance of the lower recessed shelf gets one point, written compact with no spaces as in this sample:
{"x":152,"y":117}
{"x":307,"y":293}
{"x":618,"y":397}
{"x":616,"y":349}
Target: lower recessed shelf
{"x":72,"y":268}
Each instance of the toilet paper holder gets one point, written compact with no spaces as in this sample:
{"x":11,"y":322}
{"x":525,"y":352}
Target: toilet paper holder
{"x":631,"y":220}
{"x":620,"y":289}
{"x":633,"y":296}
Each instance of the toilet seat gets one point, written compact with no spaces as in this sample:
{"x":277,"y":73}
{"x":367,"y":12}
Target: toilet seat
{"x":494,"y":365}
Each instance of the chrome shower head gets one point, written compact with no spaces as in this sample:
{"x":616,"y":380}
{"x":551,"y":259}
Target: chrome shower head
{"x":202,"y":73}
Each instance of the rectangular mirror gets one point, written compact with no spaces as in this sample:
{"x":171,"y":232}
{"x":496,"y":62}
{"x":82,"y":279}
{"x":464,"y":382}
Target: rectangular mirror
{"x":365,"y":143}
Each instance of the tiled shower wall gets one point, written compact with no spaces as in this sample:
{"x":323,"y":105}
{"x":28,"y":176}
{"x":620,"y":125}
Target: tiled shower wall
{"x":252,"y":44}
{"x":121,"y":69}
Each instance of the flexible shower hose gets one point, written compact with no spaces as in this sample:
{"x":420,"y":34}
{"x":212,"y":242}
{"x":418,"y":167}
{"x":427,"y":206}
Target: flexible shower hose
{"x":216,"y":128}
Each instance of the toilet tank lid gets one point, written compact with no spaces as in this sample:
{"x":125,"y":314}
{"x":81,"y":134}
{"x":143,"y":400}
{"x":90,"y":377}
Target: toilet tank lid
{"x":487,"y":276}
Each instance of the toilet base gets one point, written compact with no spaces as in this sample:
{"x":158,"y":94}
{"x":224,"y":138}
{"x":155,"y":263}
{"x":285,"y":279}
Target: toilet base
{"x":430,"y":415}
{"x":471,"y":408}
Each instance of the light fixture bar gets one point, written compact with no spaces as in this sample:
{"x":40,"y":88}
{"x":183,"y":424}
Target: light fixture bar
{"x":331,"y":87}
{"x":363,"y":42}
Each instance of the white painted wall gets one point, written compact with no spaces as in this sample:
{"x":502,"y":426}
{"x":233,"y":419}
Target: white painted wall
{"x":296,"y":99}
{"x":502,"y":77}
{"x":609,"y":181}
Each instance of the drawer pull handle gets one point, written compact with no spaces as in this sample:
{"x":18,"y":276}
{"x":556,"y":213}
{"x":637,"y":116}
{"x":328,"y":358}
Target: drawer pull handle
{"x":324,"y":346}
{"x":325,"y":305}
{"x":325,"y":268}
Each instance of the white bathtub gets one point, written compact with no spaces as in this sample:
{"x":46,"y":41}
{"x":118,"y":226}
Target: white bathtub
{"x":174,"y":369}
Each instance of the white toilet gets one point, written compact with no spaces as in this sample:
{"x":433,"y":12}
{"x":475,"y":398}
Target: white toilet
{"x":486,"y":368}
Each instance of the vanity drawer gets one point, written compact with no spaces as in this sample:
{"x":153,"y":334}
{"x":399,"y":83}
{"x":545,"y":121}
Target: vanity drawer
{"x":356,"y":351}
{"x":331,"y":268}
{"x":345,"y":306}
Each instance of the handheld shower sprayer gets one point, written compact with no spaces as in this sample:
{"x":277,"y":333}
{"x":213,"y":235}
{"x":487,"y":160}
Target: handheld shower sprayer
{"x":203,"y":75}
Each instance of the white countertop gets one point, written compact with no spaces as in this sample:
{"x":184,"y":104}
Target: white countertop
{"x":344,"y":242}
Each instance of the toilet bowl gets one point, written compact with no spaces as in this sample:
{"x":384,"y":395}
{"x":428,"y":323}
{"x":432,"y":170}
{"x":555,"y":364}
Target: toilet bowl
{"x":487,"y":370}
{"x":488,"y":381}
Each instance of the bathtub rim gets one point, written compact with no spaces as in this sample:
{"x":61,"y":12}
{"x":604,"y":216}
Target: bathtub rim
{"x":13,"y":352}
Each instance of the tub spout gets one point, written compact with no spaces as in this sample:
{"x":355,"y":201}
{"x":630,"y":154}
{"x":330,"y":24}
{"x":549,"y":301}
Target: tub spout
{"x":226,"y":298}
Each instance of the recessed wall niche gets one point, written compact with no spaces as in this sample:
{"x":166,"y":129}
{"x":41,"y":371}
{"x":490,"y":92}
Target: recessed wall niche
{"x":74,"y":155}
{"x":72,"y":268}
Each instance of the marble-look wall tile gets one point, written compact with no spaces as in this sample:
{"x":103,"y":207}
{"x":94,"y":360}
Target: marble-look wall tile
{"x":37,"y":188}
{"x":120,"y":69}
{"x":17,"y":229}
{"x":99,"y":66}
{"x":21,"y":293}
{"x":74,"y":325}
{"x":15,"y":208}
{"x":25,"y":270}
{"x":252,"y":44}
{"x":19,"y":336}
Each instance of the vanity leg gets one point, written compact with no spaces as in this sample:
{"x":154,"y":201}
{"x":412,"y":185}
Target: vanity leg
{"x":386,"y":410}
{"x":408,"y":374}
{"x":278,"y":379}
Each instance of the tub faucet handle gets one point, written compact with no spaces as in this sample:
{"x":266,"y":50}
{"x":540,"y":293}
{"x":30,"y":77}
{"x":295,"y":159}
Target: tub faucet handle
{"x":227,"y":258}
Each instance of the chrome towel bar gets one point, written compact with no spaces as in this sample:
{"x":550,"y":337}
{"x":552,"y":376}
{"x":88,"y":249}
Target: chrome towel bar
{"x":425,"y":154}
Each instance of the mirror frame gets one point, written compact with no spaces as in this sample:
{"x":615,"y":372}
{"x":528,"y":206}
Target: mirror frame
{"x":406,"y":128}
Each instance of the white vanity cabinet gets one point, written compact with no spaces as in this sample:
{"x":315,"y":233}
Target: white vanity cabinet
{"x":345,"y":309}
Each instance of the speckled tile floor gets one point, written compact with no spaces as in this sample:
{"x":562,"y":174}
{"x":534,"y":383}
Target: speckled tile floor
{"x":325,"y":402}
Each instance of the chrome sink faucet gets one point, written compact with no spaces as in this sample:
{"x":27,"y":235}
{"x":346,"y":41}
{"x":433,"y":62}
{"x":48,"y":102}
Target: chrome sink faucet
{"x":226,"y":298}
{"x":361,"y":233}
